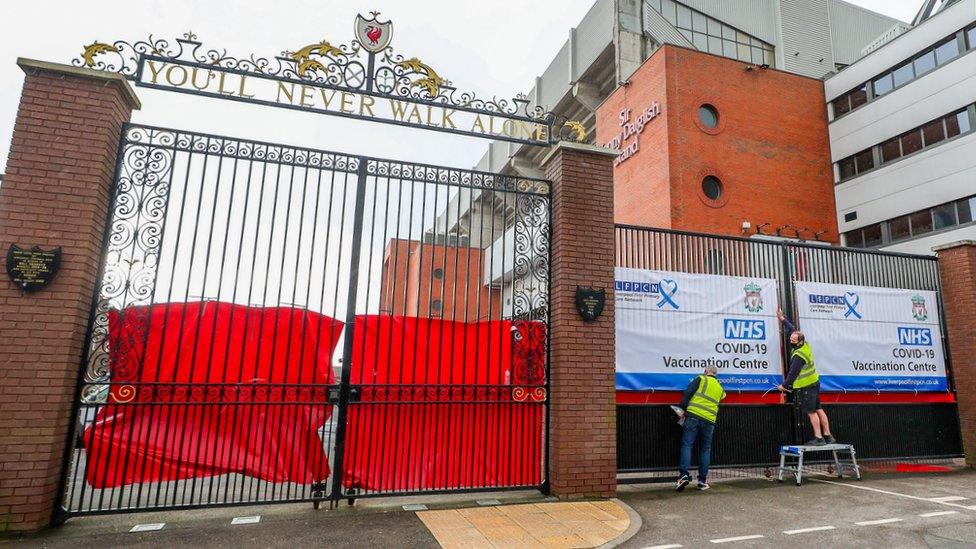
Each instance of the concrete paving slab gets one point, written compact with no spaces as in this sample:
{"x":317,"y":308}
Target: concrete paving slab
{"x":552,"y":525}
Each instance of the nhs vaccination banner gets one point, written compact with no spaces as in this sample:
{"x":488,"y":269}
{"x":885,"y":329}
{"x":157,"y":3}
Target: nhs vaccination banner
{"x":873,"y":339}
{"x":671,"y":325}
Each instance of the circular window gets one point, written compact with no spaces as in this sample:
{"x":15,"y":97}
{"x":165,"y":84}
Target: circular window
{"x":438,"y":273}
{"x":712,"y":187}
{"x":436,"y":305}
{"x":708,"y":116}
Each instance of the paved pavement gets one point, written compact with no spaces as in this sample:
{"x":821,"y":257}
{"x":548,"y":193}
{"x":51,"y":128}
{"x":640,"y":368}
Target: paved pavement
{"x":552,"y":525}
{"x":884,"y":510}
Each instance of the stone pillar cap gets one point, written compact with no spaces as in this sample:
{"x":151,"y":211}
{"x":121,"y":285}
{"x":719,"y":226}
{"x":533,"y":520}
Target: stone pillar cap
{"x":30,"y":65}
{"x":955,"y":244}
{"x":579,"y":147}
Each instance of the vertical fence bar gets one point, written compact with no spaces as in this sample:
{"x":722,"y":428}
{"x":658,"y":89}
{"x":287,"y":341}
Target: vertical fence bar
{"x":350,"y":327}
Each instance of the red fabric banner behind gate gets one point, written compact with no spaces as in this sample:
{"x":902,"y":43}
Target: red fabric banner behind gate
{"x":210,"y":388}
{"x":445,"y":405}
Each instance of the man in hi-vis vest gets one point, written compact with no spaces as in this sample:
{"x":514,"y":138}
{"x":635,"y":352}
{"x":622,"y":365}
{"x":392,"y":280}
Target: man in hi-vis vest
{"x":805,"y":381}
{"x":700,"y":410}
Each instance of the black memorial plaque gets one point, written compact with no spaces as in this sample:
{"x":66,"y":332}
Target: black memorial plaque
{"x":34,"y":268}
{"x":590,"y":302}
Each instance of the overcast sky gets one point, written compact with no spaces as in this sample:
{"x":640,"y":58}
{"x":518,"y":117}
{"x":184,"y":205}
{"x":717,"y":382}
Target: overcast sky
{"x":491,"y":48}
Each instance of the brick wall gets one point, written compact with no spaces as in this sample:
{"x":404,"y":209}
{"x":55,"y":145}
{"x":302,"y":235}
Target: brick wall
{"x":957,"y":263}
{"x":55,"y":193}
{"x":583,"y":434}
{"x":642,"y":183}
{"x":770,"y":149}
{"x":771,"y":152}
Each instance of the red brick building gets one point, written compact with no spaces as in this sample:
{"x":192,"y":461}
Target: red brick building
{"x":437,"y":281}
{"x":710,"y":143}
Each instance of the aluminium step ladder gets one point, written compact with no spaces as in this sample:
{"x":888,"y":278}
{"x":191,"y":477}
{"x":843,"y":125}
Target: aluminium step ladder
{"x":797,"y":452}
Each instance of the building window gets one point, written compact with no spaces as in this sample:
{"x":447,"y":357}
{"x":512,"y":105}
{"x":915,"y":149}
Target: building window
{"x":899,"y":229}
{"x":944,"y":216}
{"x":438,"y":273}
{"x":911,"y":142}
{"x":947,"y":51}
{"x":966,"y":208}
{"x":436,"y":306}
{"x":924,"y":63}
{"x":847,"y":168}
{"x":872,"y":235}
{"x":891,"y":149}
{"x":941,"y":217}
{"x":903,"y":73}
{"x":712,"y":187}
{"x":882,"y":85}
{"x":920,"y":138}
{"x":864,"y":160}
{"x":713,"y":36}
{"x":708,"y":116}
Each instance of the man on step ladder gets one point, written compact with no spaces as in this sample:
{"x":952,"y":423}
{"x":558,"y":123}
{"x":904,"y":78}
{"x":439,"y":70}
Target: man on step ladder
{"x":804,"y":380}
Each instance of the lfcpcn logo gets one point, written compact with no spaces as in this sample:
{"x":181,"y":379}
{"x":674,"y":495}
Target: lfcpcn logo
{"x":664,"y":290}
{"x":820,"y":303}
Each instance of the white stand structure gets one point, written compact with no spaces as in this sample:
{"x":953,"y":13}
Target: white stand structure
{"x":797,"y":453}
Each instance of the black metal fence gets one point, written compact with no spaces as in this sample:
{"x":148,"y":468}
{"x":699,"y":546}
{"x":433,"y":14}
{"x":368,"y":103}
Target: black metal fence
{"x":648,"y":438}
{"x":281,"y":324}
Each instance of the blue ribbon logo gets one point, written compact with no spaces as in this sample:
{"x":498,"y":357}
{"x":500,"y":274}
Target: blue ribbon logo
{"x":668,"y":289}
{"x":851,"y":299}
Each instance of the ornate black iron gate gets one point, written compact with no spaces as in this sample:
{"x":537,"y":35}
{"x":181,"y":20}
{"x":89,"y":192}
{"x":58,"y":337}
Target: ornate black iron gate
{"x":283,"y":324}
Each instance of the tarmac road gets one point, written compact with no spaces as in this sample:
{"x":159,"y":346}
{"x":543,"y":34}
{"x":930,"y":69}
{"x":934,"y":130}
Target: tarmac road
{"x":883,"y":510}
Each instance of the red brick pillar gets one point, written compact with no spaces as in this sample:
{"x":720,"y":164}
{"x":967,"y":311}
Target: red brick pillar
{"x":583,"y":436}
{"x":55,"y":193}
{"x":957,"y":264}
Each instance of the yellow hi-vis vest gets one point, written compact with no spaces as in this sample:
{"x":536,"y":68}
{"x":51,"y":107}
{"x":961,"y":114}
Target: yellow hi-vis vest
{"x":808,"y":374}
{"x":704,"y":403}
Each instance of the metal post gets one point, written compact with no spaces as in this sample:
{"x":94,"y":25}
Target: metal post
{"x":350,"y":328}
{"x":788,"y":312}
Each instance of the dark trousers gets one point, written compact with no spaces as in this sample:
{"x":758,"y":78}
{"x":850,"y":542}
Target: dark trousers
{"x":701,"y":431}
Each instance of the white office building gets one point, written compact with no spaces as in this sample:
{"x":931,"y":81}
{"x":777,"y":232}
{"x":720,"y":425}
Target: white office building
{"x":903,"y":135}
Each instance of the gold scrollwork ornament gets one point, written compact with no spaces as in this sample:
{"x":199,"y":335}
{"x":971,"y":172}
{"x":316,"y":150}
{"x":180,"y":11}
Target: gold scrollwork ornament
{"x":94,"y":49}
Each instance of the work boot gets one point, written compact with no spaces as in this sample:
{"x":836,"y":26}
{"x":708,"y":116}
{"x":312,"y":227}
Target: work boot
{"x":683,"y":481}
{"x":829,"y":439}
{"x":816,"y":442}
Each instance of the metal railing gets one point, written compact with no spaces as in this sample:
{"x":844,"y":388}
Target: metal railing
{"x":647,"y":435}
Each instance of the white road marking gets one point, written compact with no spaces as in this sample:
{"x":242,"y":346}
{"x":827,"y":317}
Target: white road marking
{"x":738,"y":538}
{"x":152,"y":527}
{"x":948,"y":499}
{"x":876,"y":522}
{"x":939,"y":514}
{"x":486,"y":502}
{"x":672,"y":546}
{"x":415,"y":507}
{"x":246,"y":520}
{"x":805,"y":530}
{"x":973,"y":508}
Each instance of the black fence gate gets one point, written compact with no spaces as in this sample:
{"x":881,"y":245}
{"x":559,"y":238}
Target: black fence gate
{"x":280,"y":324}
{"x":749,"y":435}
